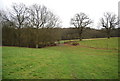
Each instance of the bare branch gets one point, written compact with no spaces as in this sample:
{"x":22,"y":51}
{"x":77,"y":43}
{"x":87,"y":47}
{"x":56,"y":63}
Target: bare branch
{"x":80,"y":21}
{"x":42,"y":17}
{"x":19,"y":14}
{"x":109,"y":21}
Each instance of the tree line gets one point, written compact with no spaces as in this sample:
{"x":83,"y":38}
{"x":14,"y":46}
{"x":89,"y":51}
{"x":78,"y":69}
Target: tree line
{"x":72,"y":33}
{"x":36,"y":26}
{"x":33,"y":26}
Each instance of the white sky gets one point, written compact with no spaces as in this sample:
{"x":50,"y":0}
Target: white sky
{"x":66,"y":9}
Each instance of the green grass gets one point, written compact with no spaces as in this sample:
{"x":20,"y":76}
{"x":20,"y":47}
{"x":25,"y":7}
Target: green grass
{"x":62,"y":62}
{"x":111,"y":43}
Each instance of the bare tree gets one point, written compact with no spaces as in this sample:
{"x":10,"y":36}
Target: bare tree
{"x":109,"y":21}
{"x":41,"y":17}
{"x":37,"y":19}
{"x":31,"y":25}
{"x":36,"y":15}
{"x":80,"y":21}
{"x":52,"y":21}
{"x":18,"y":16}
{"x":5,"y":18}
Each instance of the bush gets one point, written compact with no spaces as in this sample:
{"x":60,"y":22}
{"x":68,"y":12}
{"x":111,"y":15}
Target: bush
{"x":68,"y":42}
{"x":71,"y":43}
{"x":52,"y":44}
{"x":74,"y":43}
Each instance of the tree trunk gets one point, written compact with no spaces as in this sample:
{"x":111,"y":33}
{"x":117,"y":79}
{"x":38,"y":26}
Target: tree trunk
{"x":108,"y":37}
{"x":80,"y":39}
{"x":36,"y":45}
{"x":80,"y":36}
{"x":80,"y":33}
{"x":108,"y":33}
{"x":58,"y":41}
{"x":19,"y":37}
{"x":37,"y":40}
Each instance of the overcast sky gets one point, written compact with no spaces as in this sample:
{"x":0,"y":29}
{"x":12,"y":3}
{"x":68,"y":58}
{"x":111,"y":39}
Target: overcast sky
{"x":66,"y":9}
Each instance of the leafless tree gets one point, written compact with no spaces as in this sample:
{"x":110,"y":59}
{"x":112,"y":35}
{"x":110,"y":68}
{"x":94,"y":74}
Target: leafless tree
{"x":80,"y":21}
{"x":5,"y":19}
{"x":52,"y":21}
{"x":37,"y":19}
{"x":18,"y":15}
{"x":41,"y":17}
{"x":4,"y":16}
{"x":36,"y":15}
{"x":109,"y":21}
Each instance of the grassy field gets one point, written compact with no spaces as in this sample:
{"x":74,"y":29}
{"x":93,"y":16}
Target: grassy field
{"x":63,"y":61}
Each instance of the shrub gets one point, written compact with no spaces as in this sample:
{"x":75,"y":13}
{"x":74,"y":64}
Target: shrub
{"x":74,"y":43}
{"x":52,"y":44}
{"x":68,"y":42}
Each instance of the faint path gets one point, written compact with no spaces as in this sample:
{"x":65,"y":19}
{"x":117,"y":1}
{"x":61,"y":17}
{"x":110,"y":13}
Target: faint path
{"x":71,"y":64}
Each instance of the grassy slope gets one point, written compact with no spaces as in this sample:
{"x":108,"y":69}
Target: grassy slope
{"x":61,"y":62}
{"x":102,"y":43}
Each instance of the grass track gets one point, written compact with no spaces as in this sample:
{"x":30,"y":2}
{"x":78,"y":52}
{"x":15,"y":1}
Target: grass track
{"x":62,"y":62}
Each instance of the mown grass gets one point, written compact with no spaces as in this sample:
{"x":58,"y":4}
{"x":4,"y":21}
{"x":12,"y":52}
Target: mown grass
{"x":111,"y":43}
{"x":61,"y":62}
